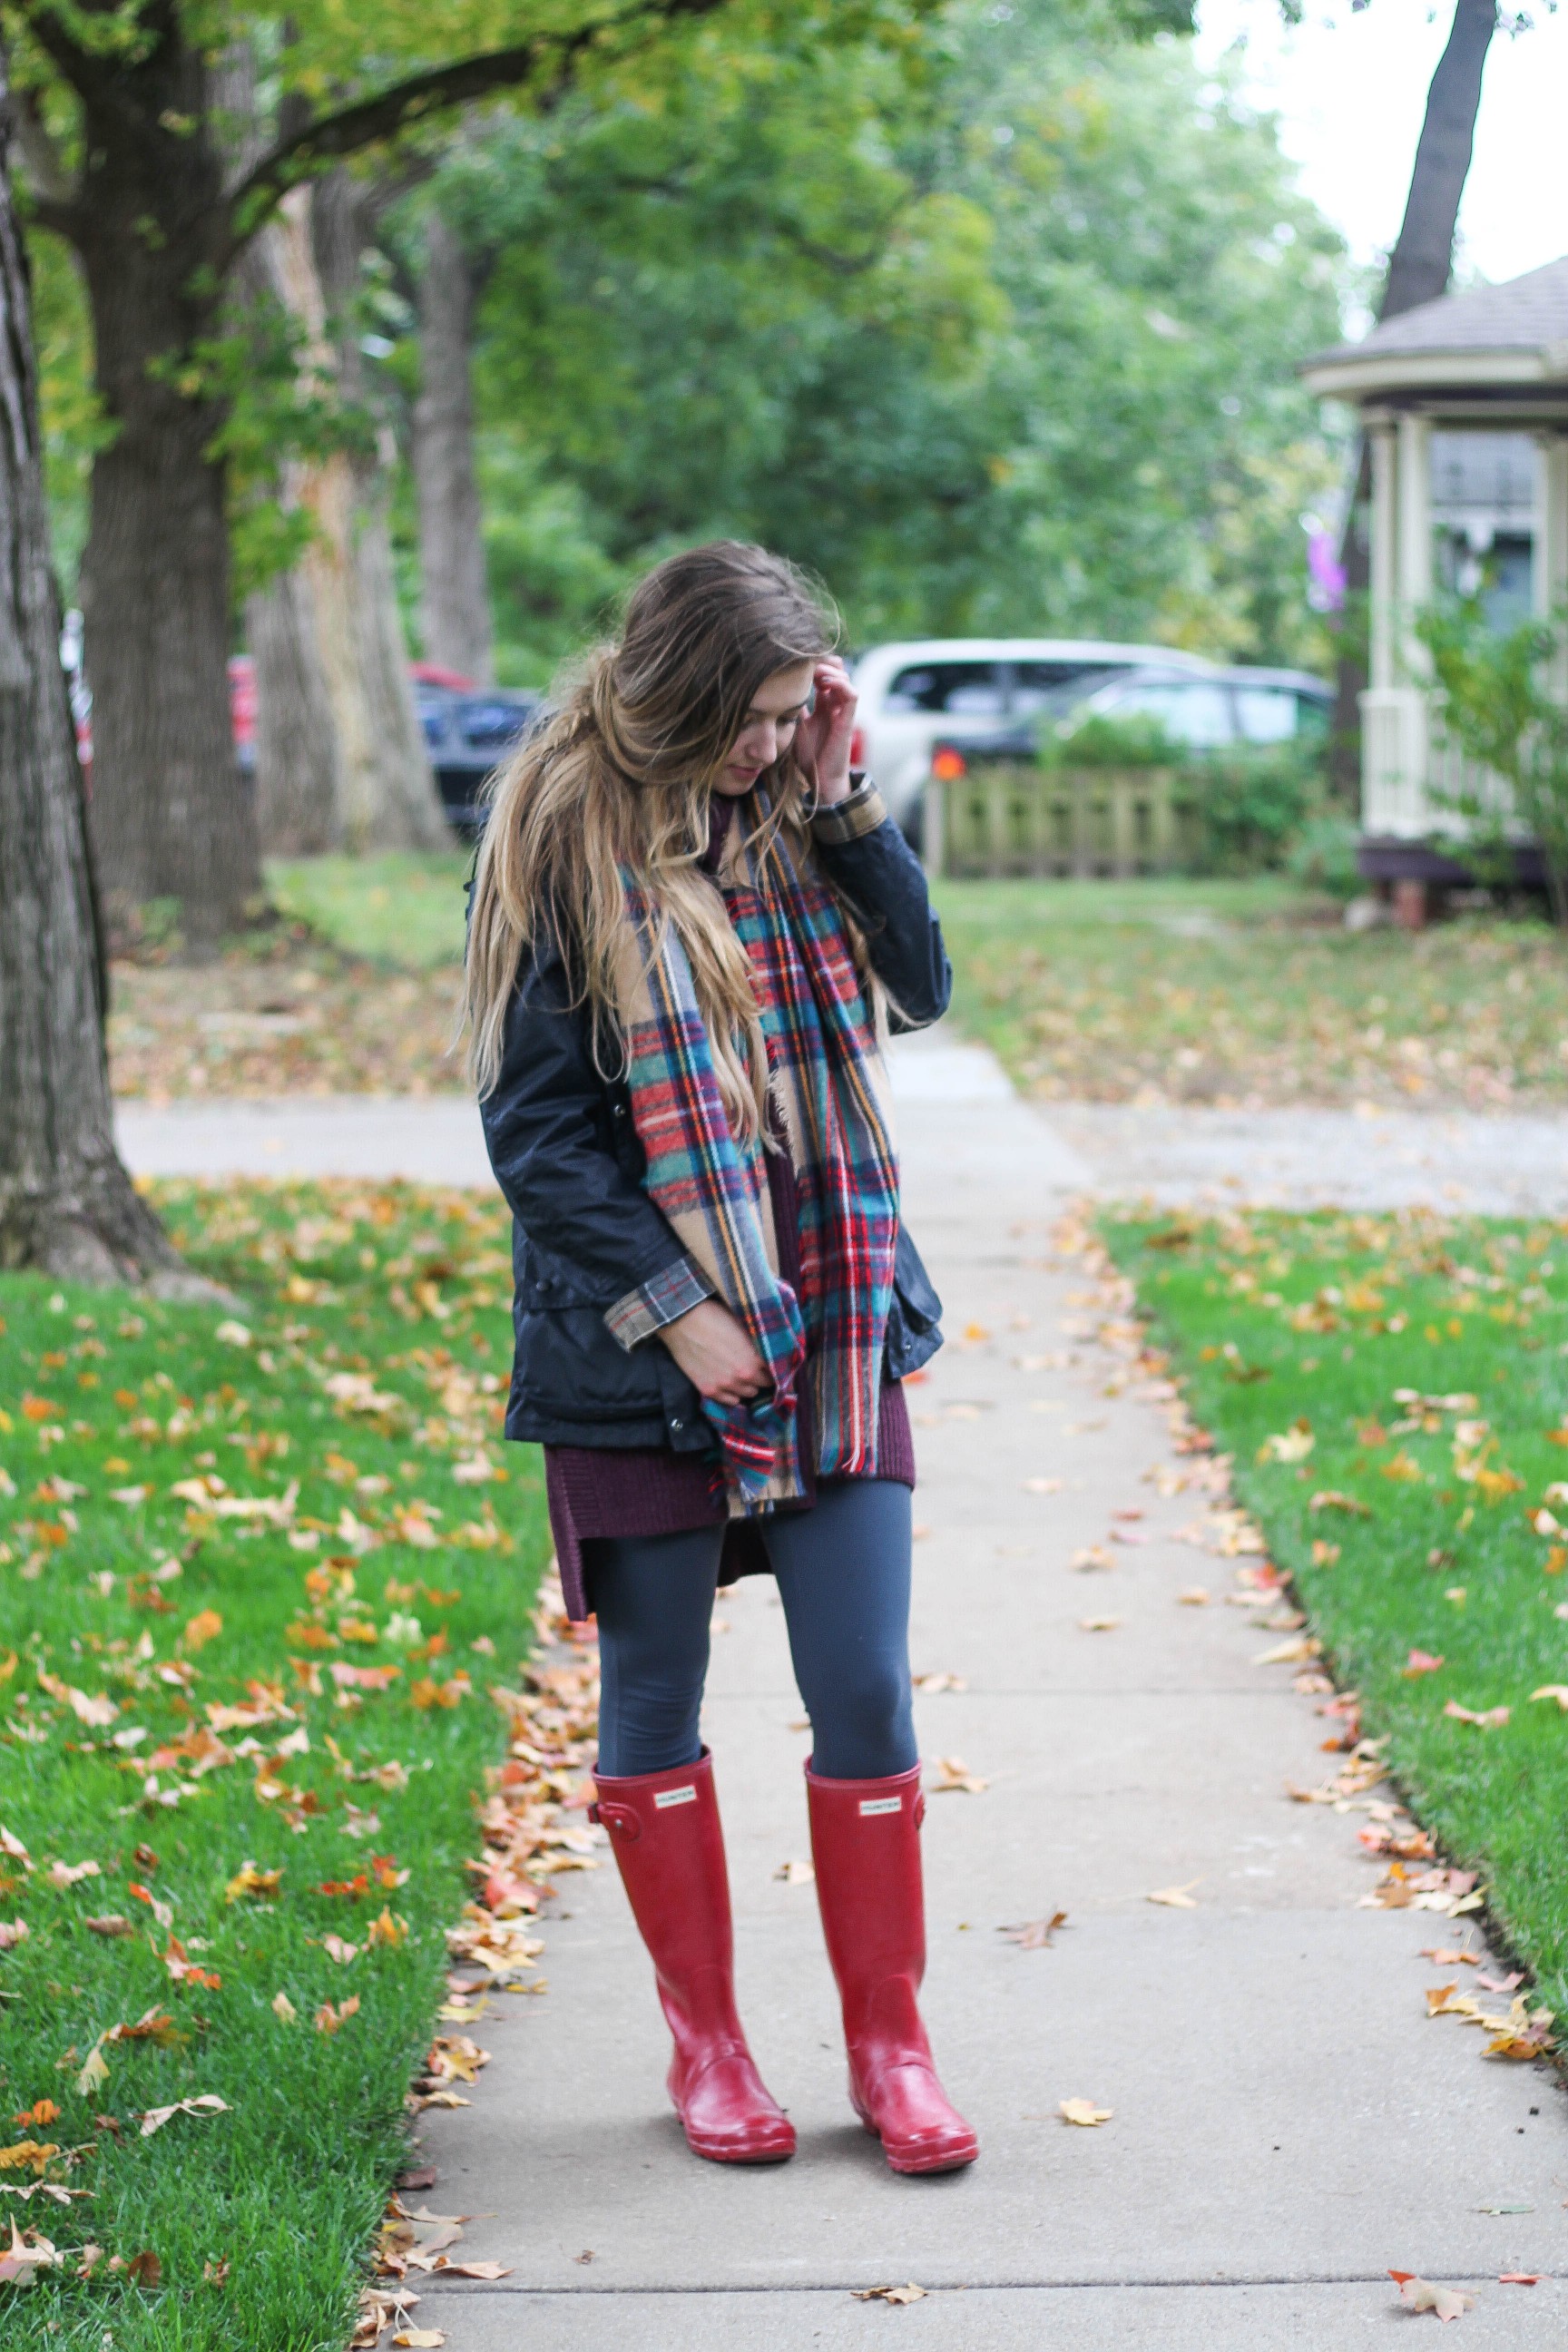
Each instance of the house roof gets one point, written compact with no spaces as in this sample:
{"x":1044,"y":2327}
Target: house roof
{"x":1516,"y":334}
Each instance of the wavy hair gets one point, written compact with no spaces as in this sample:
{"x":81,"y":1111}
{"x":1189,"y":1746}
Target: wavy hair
{"x":618,"y":780}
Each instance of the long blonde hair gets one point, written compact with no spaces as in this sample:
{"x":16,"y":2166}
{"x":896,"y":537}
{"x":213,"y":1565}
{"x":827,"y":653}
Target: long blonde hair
{"x":619,"y":777}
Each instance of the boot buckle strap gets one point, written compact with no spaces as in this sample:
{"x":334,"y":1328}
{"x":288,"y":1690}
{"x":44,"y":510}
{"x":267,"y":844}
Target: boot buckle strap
{"x":615,"y":1817}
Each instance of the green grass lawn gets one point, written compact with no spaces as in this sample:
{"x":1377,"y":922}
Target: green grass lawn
{"x":1305,"y":1330}
{"x":402,"y":907}
{"x":243,"y":1732}
{"x":1248,"y":991}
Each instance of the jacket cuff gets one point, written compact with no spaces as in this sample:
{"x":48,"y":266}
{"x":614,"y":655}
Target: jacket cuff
{"x":661,"y":1300}
{"x":862,"y":812}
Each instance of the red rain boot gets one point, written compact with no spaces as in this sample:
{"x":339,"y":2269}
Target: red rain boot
{"x":669,"y":1847}
{"x":865,"y":1841}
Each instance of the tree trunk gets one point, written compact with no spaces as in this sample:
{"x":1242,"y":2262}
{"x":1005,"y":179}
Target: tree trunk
{"x":456,"y":603}
{"x":386,"y":791}
{"x":298,"y":784}
{"x":1423,"y":258}
{"x":1418,"y":271}
{"x":296,"y":781}
{"x":66,"y":1202}
{"x":170,"y":818}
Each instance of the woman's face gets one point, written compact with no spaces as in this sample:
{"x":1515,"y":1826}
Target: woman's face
{"x":778,"y":708}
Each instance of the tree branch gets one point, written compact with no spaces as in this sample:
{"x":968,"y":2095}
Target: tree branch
{"x":327,"y":138}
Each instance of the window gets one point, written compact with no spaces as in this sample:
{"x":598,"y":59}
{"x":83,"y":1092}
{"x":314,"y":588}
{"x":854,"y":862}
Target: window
{"x":1197,"y":713}
{"x":1055,"y":685}
{"x":1265,"y":714}
{"x":957,"y":689}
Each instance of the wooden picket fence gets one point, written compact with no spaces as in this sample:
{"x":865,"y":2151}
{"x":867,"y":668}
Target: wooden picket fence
{"x":1010,"y":817}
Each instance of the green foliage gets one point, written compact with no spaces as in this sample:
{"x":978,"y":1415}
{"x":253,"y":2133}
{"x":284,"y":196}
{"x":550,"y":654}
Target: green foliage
{"x":1139,"y":741}
{"x":1504,"y":705}
{"x":1340,"y":1321}
{"x":1251,"y":801}
{"x":74,"y":424}
{"x":996,"y":331}
{"x":1323,"y":856}
{"x":98,"y":1595}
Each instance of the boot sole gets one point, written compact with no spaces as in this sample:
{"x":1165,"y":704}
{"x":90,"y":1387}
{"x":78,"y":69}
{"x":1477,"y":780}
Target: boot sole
{"x":949,"y":2159}
{"x":722,"y":2155}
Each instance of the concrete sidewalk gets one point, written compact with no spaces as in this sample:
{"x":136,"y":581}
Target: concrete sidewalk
{"x":1509,"y":1163}
{"x":1287,"y":2125}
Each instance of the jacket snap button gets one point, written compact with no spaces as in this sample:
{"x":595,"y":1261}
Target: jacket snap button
{"x":676,"y":1421}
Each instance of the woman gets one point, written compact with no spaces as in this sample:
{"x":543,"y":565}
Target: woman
{"x":685,"y":915}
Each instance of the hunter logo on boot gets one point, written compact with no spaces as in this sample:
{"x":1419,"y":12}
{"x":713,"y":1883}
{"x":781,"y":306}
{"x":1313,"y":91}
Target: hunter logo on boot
{"x":664,"y":1798}
{"x":881,"y":1805}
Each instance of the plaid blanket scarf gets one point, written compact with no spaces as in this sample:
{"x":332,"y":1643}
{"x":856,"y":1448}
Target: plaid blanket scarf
{"x":828,"y":1088}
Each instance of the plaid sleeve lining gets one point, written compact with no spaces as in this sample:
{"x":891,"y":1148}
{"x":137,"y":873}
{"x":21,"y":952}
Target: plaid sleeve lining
{"x":862,"y":812}
{"x":653,"y":1304}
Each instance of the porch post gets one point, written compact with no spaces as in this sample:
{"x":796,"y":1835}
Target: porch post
{"x":1549,"y":571}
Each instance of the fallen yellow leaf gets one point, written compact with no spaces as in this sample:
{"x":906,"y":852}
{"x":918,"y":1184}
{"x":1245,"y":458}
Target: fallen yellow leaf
{"x":1085,"y":2112}
{"x":1175,"y":1898}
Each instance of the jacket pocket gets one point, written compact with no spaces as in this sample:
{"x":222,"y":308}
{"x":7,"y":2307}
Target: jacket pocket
{"x":914,"y":1318}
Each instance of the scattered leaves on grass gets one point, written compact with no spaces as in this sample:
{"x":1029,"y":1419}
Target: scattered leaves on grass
{"x":204,"y":2103}
{"x":1420,"y":2295}
{"x":248,"y":1880}
{"x":1330,"y":1499}
{"x":1085,"y":2112}
{"x":1558,"y":1691}
{"x":1422,"y":1661}
{"x":1489,"y":1718}
{"x":283,"y":2009}
{"x":328,"y":2019}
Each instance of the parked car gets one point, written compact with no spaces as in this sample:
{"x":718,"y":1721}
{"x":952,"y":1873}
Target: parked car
{"x":957,"y":689}
{"x":469,"y":731}
{"x":1210,"y":711}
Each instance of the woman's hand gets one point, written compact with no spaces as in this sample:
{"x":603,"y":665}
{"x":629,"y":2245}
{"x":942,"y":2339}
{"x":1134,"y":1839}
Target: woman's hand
{"x":714,"y":1350}
{"x":822,"y":740}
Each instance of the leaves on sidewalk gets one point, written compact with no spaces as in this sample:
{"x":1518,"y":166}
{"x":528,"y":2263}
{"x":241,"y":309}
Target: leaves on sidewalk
{"x":1085,"y":2113}
{"x":1420,"y":2295}
{"x":1035,"y":1935}
{"x":909,"y":2293}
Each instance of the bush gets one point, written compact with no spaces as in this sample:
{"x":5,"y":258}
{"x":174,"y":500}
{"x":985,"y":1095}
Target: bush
{"x":1140,"y":742}
{"x":1324,"y":856}
{"x":1250,"y":802}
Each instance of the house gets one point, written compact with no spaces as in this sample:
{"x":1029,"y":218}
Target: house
{"x":1464,"y":402}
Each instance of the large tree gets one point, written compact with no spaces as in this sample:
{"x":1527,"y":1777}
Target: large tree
{"x":66,"y":1201}
{"x":138,"y":162}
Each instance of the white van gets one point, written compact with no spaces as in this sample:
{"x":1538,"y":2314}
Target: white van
{"x":913,"y":693}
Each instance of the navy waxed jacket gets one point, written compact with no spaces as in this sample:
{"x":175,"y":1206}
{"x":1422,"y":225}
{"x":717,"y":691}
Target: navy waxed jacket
{"x":597,"y":1267}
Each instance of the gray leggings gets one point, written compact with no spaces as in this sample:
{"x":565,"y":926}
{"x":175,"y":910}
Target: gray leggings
{"x":842,"y":1573}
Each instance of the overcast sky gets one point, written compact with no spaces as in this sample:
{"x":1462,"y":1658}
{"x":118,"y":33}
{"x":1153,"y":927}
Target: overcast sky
{"x":1350,"y":90}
